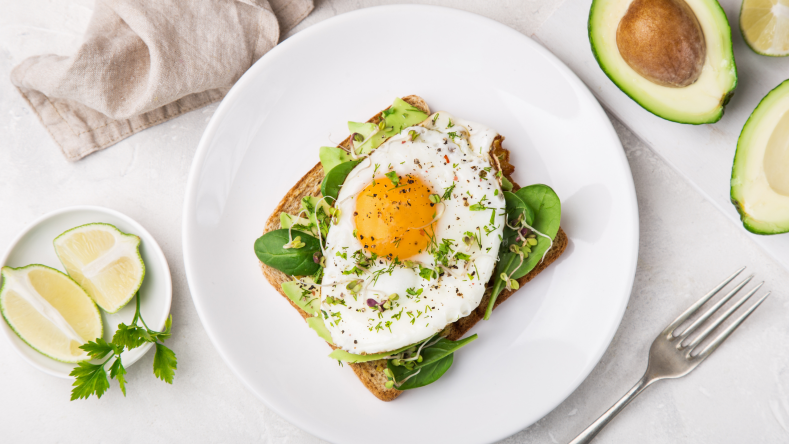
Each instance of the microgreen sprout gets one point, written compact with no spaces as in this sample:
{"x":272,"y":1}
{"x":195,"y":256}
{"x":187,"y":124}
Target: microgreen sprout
{"x":296,"y":243}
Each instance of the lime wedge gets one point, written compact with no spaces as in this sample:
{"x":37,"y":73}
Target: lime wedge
{"x":765,"y":26}
{"x":104,"y":261}
{"x":49,"y":311}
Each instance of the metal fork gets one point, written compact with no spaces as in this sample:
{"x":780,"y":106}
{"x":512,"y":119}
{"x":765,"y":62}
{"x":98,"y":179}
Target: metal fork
{"x":671,"y":355}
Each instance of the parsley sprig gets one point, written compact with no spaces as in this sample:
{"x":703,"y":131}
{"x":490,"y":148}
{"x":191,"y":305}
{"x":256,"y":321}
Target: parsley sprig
{"x":92,"y":378}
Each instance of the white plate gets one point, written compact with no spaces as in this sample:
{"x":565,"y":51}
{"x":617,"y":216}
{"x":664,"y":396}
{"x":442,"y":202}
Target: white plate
{"x":34,"y":246}
{"x":265,"y":135}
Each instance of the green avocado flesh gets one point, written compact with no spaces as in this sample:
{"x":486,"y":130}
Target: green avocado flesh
{"x":703,"y":100}
{"x":760,"y":175}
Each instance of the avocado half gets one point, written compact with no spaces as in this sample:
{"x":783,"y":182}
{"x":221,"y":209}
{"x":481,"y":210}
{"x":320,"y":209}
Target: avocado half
{"x":760,"y":175}
{"x":673,"y":57}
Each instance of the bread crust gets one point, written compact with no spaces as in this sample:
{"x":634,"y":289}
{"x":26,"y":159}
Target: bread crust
{"x":310,"y":185}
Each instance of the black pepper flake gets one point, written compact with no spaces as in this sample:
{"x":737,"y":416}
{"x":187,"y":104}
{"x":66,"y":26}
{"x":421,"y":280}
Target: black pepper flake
{"x":354,"y":341}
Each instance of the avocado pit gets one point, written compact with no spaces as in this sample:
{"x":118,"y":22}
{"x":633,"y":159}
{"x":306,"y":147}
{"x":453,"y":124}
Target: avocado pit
{"x":662,"y":41}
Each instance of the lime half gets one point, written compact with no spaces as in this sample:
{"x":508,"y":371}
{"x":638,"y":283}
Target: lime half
{"x":49,"y":311}
{"x":765,"y":26}
{"x":104,"y":261}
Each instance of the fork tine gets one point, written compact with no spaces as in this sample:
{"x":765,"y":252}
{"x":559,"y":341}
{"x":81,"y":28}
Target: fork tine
{"x":693,"y":308}
{"x":688,"y":331}
{"x":703,"y":335}
{"x":726,"y":333}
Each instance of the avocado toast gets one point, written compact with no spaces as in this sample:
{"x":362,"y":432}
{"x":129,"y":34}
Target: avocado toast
{"x":383,"y":376}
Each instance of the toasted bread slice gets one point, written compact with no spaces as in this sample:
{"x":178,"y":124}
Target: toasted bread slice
{"x":310,"y":185}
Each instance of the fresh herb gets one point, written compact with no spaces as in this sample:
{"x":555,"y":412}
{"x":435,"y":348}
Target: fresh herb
{"x":462,"y":256}
{"x":412,"y":292}
{"x":450,"y":124}
{"x":270,"y":249}
{"x":452,"y":135}
{"x":480,"y":206}
{"x":448,"y":192}
{"x":392,"y":175}
{"x":91,"y":379}
{"x":427,"y":273}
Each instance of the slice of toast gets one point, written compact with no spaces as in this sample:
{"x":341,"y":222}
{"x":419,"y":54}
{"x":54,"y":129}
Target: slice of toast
{"x":310,"y":185}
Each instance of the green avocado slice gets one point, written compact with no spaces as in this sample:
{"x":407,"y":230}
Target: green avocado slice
{"x":699,"y":102}
{"x":760,"y":174}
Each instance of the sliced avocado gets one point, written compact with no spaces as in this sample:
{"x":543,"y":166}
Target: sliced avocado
{"x":398,"y":116}
{"x":342,"y":355}
{"x":310,"y":304}
{"x":760,"y":175}
{"x":331,"y":156}
{"x":673,"y":57}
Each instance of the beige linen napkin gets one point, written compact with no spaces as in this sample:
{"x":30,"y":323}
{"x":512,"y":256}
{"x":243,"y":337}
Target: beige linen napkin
{"x":144,"y":62}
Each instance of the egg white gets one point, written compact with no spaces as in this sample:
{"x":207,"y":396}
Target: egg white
{"x":439,"y":159}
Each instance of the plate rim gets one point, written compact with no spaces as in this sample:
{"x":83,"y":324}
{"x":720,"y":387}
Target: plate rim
{"x":250,"y":74}
{"x":16,"y":342}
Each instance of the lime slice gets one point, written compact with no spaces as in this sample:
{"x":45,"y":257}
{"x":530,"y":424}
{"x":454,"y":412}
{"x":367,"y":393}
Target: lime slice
{"x":104,"y":261}
{"x":765,"y":26}
{"x":49,"y":311}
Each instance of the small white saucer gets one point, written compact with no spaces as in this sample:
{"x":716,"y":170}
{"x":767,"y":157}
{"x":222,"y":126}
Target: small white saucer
{"x":34,"y":246}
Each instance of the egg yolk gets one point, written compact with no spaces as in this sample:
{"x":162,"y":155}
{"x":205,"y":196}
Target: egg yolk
{"x":394,"y":221}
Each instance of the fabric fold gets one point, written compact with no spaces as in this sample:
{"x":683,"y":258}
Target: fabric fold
{"x":143,"y":63}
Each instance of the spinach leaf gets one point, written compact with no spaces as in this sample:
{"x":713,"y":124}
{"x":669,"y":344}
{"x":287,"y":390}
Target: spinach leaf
{"x":331,"y":157}
{"x":291,"y":261}
{"x":336,"y":177}
{"x":547,"y":209}
{"x":428,"y":374}
{"x":436,"y":359}
{"x":516,"y":206}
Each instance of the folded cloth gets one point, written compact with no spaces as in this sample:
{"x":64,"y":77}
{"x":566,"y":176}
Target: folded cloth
{"x":144,"y":62}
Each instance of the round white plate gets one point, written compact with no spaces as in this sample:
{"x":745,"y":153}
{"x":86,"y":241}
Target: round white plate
{"x":34,"y":246}
{"x":538,"y":346}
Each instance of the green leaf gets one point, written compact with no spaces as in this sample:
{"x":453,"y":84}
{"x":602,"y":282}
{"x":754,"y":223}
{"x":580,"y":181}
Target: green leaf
{"x":333,"y":181}
{"x":291,"y":261}
{"x":164,"y":363}
{"x":436,"y":360}
{"x":547,"y":209}
{"x":116,"y":372}
{"x":547,"y":215}
{"x":423,"y":375}
{"x":91,"y":379}
{"x":516,"y":206}
{"x":332,"y":156}
{"x":165,"y":334}
{"x":129,"y":337}
{"x":97,"y":349}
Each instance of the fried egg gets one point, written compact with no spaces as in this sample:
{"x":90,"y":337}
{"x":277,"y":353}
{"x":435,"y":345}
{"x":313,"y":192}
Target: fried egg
{"x":416,"y":239}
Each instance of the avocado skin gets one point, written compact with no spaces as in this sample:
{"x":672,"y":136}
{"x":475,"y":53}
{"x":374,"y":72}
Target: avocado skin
{"x":724,"y":101}
{"x":751,"y":224}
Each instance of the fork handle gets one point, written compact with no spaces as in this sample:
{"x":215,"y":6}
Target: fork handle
{"x":588,"y":435}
